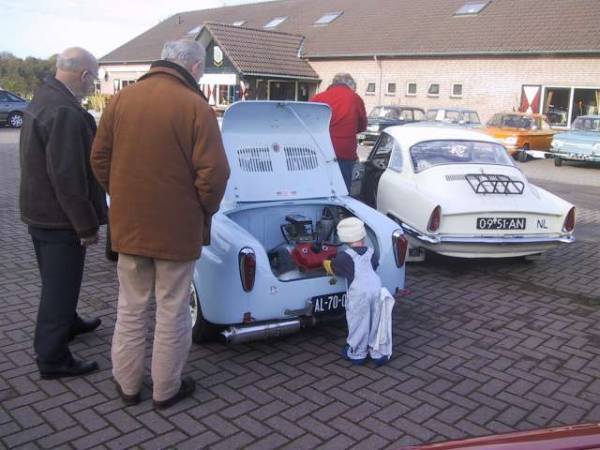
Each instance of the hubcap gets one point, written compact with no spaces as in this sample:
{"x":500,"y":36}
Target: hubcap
{"x":193,"y":304}
{"x":16,"y":121}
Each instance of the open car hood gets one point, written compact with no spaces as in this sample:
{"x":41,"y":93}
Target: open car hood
{"x":280,"y":151}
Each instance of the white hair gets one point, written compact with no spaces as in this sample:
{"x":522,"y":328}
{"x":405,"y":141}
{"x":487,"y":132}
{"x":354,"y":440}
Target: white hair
{"x":75,"y":59}
{"x":344,"y":78}
{"x":184,"y":52}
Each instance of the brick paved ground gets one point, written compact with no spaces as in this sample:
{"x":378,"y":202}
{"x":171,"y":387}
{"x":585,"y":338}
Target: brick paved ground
{"x":480,"y":348}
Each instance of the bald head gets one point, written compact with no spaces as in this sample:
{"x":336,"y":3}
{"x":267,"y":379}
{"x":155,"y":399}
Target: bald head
{"x":77,"y":69}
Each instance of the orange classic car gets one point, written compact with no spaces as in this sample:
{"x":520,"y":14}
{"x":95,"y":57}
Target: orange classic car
{"x":522,"y":134}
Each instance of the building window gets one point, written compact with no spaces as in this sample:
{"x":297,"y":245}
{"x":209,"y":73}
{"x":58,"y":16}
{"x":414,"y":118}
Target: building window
{"x":411,"y":89}
{"x":433,"y":90}
{"x":275,"y":22}
{"x":116,"y":85}
{"x":457,"y":90}
{"x":471,"y":9}
{"x":390,"y":89}
{"x":238,"y":23}
{"x":371,"y":87}
{"x":326,"y":19}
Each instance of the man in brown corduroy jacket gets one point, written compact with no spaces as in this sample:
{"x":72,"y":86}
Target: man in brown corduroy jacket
{"x":159,"y":154}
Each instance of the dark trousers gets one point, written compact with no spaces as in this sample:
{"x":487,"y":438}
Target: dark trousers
{"x":60,"y":259}
{"x":347,"y":166}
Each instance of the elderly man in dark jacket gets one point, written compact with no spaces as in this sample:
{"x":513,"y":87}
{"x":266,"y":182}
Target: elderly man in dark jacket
{"x":160,"y":156}
{"x":62,"y":204}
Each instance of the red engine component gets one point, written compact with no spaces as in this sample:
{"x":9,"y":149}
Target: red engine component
{"x":309,"y":256}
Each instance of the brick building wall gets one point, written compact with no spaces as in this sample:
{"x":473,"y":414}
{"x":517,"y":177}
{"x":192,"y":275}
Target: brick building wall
{"x":489,"y":85}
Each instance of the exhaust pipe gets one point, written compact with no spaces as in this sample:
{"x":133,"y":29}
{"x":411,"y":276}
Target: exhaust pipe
{"x":267,"y":330}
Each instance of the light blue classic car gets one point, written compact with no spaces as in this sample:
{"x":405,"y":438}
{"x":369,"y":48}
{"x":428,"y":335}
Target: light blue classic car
{"x":261,"y":276}
{"x":581,"y":143}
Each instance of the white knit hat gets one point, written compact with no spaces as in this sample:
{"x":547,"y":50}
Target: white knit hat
{"x":351,"y":229}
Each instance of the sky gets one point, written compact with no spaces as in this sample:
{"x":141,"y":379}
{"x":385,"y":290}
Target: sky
{"x":41,"y":28}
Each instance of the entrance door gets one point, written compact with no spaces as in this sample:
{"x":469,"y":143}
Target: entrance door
{"x":282,"y":90}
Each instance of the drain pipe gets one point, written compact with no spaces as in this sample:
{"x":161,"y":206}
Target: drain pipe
{"x":378,"y":61}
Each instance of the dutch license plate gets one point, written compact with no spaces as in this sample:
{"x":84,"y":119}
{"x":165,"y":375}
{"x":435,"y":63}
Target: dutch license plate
{"x":501,"y":223}
{"x":330,"y":303}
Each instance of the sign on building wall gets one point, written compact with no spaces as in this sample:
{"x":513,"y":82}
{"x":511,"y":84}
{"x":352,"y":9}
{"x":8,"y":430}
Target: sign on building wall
{"x":530,"y":98}
{"x":217,"y":56}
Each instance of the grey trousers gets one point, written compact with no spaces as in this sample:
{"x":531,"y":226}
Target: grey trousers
{"x":141,"y":279}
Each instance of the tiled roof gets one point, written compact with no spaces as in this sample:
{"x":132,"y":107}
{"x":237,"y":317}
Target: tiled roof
{"x":400,"y":27}
{"x":261,"y":52}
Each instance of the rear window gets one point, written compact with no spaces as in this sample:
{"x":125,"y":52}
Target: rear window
{"x":587,"y":124}
{"x":381,"y":112}
{"x":425,"y":155}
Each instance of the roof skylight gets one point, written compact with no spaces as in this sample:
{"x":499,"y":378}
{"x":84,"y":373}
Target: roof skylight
{"x":327,"y":18}
{"x":275,"y":22}
{"x":195,"y":30}
{"x":471,"y":9}
{"x":238,"y":23}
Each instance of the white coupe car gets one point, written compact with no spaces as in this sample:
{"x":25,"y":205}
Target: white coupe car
{"x":457,"y":192}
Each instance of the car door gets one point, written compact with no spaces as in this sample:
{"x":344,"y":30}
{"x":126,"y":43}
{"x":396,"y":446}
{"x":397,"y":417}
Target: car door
{"x":374,"y":167}
{"x":4,"y":106}
{"x":397,"y":192}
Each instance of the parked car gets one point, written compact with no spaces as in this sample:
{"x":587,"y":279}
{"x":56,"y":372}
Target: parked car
{"x":382,"y":117}
{"x":262,"y":275}
{"x":457,"y":192}
{"x":457,"y":116}
{"x":11,"y":109}
{"x":581,"y":143}
{"x":523,"y":134}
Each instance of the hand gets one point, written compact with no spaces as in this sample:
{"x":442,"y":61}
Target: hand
{"x":86,"y":242}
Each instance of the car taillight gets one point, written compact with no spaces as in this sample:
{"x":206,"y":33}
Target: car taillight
{"x":400,"y":246}
{"x":569,"y":224}
{"x":247,"y":260}
{"x":435,"y":219}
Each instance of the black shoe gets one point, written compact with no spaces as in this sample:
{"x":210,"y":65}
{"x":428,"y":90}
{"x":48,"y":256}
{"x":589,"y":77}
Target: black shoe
{"x":188,"y":386}
{"x":81,"y":326}
{"x":71,"y":369}
{"x":129,"y":400}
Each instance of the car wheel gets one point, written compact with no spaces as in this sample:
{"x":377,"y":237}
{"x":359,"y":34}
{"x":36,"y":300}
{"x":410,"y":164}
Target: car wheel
{"x":15,"y":120}
{"x":523,"y":156}
{"x":108,"y":251}
{"x":202,"y":329}
{"x":557,"y":161}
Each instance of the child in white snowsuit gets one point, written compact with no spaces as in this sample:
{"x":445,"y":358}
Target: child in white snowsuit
{"x":363,"y":307}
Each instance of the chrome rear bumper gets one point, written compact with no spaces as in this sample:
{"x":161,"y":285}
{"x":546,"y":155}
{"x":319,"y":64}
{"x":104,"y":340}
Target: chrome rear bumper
{"x":478,"y":240}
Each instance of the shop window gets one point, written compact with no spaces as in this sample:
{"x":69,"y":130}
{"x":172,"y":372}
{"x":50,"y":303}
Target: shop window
{"x":371,"y":87}
{"x":390,"y":89}
{"x":457,"y":90}
{"x":585,"y":102}
{"x":433,"y":90}
{"x":411,"y":89}
{"x":556,"y":106}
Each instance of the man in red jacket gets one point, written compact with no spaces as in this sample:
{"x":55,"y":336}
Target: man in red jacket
{"x":348,"y":118}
